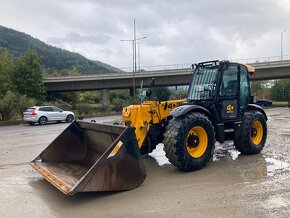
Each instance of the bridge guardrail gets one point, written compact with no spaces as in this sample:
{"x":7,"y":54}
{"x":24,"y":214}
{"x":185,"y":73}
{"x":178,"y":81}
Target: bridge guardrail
{"x":256,"y":62}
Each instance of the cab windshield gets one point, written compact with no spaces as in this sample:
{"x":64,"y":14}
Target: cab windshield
{"x":203,"y":83}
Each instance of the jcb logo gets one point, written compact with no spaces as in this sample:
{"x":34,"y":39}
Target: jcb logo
{"x":230,"y":109}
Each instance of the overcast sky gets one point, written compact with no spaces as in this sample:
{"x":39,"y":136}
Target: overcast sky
{"x":177,"y":31}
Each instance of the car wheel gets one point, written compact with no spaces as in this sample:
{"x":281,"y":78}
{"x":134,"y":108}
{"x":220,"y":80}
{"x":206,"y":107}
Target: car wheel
{"x":69,"y":118}
{"x":42,"y":120}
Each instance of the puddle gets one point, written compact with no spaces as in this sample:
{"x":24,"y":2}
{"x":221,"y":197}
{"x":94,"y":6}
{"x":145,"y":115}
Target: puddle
{"x":225,"y":150}
{"x":275,"y":166}
{"x":270,"y":166}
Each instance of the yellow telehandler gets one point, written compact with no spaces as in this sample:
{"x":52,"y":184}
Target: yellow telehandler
{"x":99,"y":157}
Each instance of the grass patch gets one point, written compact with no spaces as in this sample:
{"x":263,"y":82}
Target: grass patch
{"x":280,"y":103}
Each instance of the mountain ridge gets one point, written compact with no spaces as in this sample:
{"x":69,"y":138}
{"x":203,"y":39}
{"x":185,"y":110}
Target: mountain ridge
{"x":52,"y":58}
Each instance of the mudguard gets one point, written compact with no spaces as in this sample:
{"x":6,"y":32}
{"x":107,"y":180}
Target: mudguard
{"x":185,"y":109}
{"x":255,"y":107}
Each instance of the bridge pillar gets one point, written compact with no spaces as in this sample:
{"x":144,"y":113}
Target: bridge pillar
{"x":105,"y":100}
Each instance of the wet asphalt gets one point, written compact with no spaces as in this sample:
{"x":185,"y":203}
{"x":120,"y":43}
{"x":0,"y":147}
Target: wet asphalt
{"x":231,"y":185}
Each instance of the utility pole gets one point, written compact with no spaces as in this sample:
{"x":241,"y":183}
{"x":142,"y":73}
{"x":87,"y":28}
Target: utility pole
{"x":134,"y":46}
{"x":135,"y":69}
{"x":138,"y":56}
{"x":282,"y":44}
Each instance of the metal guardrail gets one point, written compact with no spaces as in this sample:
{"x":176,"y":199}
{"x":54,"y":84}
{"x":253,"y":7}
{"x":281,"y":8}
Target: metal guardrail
{"x":159,"y":67}
{"x":188,"y":65}
{"x":116,"y":75}
{"x":261,"y":61}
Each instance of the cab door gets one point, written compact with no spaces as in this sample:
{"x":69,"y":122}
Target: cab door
{"x":228,"y":96}
{"x":245,"y":93}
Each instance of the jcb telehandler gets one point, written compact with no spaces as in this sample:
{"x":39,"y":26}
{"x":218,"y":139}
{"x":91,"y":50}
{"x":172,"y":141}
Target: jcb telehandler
{"x":98,"y":157}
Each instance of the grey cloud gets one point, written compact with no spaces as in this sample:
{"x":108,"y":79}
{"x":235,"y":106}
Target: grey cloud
{"x":177,"y":31}
{"x":77,"y":38}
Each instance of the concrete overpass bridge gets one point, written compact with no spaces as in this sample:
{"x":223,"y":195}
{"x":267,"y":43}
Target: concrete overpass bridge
{"x":164,"y":77}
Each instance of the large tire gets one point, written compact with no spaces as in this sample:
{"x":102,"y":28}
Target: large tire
{"x":148,"y":146}
{"x":189,"y":141}
{"x":253,"y":134}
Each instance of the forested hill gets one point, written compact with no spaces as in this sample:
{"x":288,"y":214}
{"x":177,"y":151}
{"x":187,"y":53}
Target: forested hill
{"x":51,"y":57}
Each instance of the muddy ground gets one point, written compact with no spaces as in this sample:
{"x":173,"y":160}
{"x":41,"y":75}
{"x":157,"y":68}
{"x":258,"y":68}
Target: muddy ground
{"x":231,"y":185}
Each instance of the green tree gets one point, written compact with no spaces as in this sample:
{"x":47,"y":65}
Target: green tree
{"x":27,"y":77}
{"x":8,"y":105}
{"x":119,"y":93}
{"x":6,"y":70}
{"x":161,"y":93}
{"x":257,"y":88}
{"x":118,"y":103}
{"x":73,"y":72}
{"x":13,"y":104}
{"x":180,"y":92}
{"x":55,"y":73}
{"x":281,"y":89}
{"x":23,"y":103}
{"x":91,"y":97}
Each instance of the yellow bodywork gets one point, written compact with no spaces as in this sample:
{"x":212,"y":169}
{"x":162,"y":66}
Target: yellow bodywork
{"x":251,"y":70}
{"x":149,"y":112}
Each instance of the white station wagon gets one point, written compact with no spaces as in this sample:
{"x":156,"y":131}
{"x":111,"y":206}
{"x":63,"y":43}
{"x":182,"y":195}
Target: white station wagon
{"x":44,"y":114}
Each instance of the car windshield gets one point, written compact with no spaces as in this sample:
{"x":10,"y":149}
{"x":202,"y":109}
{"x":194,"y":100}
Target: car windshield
{"x":203,"y":83}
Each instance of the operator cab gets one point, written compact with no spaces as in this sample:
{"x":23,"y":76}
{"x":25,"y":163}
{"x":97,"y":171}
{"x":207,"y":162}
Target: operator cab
{"x":222,"y":88}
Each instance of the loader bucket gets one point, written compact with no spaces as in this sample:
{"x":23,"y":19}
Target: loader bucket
{"x":89,"y":157}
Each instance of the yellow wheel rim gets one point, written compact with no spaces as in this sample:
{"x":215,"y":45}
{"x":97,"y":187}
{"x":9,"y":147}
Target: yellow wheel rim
{"x":196,"y":141}
{"x":257,"y":132}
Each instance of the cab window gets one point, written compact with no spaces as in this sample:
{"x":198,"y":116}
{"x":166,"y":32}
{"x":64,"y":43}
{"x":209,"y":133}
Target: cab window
{"x":229,"y":85}
{"x":244,"y":87}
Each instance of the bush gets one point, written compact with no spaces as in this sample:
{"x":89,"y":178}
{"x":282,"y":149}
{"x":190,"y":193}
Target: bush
{"x":84,"y":109}
{"x":13,"y":104}
{"x":23,"y":103}
{"x":7,"y":106}
{"x":118,"y":104}
{"x":99,"y":108}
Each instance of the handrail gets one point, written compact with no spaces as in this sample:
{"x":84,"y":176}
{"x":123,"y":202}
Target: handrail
{"x":260,"y":61}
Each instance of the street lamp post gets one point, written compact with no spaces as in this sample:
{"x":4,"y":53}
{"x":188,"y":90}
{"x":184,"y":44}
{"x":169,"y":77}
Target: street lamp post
{"x":138,"y":56}
{"x":282,"y":44}
{"x":134,"y":70}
